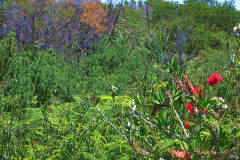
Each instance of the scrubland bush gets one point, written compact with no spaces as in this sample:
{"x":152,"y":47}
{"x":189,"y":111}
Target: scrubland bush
{"x":130,"y":97}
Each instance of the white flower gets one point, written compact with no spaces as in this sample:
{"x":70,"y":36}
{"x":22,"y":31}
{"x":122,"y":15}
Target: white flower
{"x":225,"y":106}
{"x":220,"y":99}
{"x":236,"y":29}
{"x":134,"y":106}
{"x":232,"y":58}
{"x":129,"y":124}
{"x":214,"y":98}
{"x":133,"y":102}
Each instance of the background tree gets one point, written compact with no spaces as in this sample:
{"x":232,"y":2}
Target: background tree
{"x":133,"y":3}
{"x":70,"y":26}
{"x":126,"y":3}
{"x":140,"y":4}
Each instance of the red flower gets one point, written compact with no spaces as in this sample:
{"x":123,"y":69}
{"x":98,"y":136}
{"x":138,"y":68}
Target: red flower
{"x":187,"y":156}
{"x":187,"y":126}
{"x":214,"y":79}
{"x":196,"y":91}
{"x":189,"y":107}
{"x":179,"y":154}
{"x":192,"y":110}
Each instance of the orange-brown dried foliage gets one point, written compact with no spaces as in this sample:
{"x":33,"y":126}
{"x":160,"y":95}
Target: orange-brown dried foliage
{"x":94,"y":15}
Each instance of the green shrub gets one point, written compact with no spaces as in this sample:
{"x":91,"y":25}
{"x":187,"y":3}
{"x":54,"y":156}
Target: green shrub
{"x":8,"y":50}
{"x":39,"y":73}
{"x":118,"y":63}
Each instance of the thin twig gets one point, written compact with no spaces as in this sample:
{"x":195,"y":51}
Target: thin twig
{"x":123,"y":136}
{"x":138,"y":115}
{"x":167,"y":131}
{"x":180,"y":121}
{"x":107,"y":120}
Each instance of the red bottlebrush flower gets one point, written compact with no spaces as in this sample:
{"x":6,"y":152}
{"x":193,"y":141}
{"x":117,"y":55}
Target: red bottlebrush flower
{"x":192,"y":110}
{"x":189,"y":107}
{"x":177,"y":154}
{"x":187,"y":156}
{"x":196,"y":91}
{"x":201,"y":94}
{"x":214,"y":79}
{"x":187,"y":126}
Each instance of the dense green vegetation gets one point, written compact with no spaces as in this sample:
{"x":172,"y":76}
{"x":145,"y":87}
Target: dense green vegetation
{"x":145,"y":90}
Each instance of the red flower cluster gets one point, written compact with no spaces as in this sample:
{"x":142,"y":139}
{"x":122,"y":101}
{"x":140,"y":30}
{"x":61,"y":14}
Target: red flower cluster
{"x":186,"y":126}
{"x":190,"y":109}
{"x":196,"y":91}
{"x":180,"y":154}
{"x":214,"y":79}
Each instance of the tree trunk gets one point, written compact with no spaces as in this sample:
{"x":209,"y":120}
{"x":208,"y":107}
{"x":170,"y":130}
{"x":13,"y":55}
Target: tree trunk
{"x":33,"y":29}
